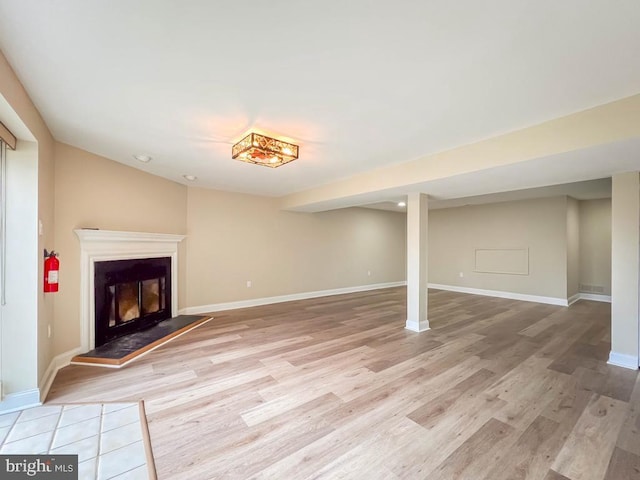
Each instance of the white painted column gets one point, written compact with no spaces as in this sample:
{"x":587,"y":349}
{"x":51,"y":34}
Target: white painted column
{"x":625,"y":269}
{"x":417,"y":230}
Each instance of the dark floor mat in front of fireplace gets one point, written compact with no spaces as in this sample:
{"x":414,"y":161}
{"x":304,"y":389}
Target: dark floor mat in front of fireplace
{"x":122,"y":350}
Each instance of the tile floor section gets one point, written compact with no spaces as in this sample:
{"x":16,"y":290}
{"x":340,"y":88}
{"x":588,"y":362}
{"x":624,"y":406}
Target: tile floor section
{"x":108,"y":438}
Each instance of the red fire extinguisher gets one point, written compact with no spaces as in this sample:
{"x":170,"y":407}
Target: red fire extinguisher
{"x":51,"y":269}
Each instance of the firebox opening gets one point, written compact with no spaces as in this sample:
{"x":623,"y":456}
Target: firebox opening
{"x":131,"y":295}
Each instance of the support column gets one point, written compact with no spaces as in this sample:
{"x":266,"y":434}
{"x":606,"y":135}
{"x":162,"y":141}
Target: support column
{"x":625,"y":269}
{"x":417,"y":230}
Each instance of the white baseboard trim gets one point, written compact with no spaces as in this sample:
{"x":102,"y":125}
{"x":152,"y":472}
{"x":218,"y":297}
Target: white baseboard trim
{"x":623,"y":360}
{"x":417,"y":326}
{"x":20,"y":400}
{"x":36,"y":396}
{"x":216,"y":307}
{"x":596,"y":297}
{"x":500,"y":294}
{"x":573,"y":299}
{"x":56,"y":364}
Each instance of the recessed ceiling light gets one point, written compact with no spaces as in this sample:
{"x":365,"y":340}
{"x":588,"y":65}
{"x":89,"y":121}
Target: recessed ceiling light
{"x":142,"y":158}
{"x":191,"y":178}
{"x":402,"y":204}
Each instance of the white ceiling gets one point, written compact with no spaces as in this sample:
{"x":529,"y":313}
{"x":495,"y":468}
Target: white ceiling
{"x":359,"y":84}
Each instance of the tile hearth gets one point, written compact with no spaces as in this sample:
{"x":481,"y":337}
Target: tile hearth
{"x":120,"y":351}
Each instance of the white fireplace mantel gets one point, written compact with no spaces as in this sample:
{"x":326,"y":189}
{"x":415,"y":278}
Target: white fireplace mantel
{"x":106,"y":245}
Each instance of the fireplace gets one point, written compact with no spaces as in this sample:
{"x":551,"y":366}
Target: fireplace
{"x":138,"y":298}
{"x":130,"y":295}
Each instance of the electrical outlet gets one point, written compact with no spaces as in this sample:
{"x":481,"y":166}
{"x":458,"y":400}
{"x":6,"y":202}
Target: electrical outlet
{"x":368,"y":273}
{"x":49,"y":330}
{"x":461,"y":274}
{"x":249,"y":283}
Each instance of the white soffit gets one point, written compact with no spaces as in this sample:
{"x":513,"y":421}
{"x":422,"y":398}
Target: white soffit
{"x":512,"y":182}
{"x":589,"y":190}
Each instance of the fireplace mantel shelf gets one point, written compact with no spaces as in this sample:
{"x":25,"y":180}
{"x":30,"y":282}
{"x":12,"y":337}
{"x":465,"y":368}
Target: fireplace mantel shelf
{"x":92,"y":235}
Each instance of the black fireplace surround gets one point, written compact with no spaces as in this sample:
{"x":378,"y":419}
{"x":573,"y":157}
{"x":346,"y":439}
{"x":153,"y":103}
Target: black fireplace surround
{"x":130,"y":295}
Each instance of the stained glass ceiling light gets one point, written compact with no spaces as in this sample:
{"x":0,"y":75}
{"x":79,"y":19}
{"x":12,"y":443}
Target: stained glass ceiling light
{"x":263,"y":150}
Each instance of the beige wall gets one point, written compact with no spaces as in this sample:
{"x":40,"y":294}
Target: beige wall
{"x":92,"y":191}
{"x":539,"y":225}
{"x":233,"y":238}
{"x":13,"y":93}
{"x":595,"y":246}
{"x":573,"y":247}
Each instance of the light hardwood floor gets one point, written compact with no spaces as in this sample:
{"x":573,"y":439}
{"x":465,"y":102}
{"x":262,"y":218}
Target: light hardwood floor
{"x":335,"y":387}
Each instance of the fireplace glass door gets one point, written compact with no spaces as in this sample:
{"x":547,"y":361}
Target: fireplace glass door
{"x":132,"y":300}
{"x":131,"y":295}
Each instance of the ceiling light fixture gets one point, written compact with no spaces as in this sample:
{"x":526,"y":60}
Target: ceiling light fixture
{"x":402,"y":204}
{"x":191,"y":178}
{"x":142,"y":158}
{"x":263,"y":150}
